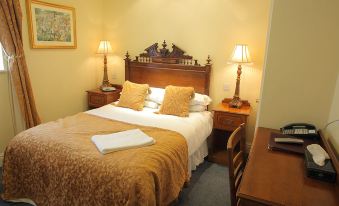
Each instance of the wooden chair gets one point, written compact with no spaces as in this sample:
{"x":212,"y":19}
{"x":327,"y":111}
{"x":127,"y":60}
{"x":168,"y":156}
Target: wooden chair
{"x":236,"y":160}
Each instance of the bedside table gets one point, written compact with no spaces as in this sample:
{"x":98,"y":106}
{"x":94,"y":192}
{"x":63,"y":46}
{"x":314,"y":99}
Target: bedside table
{"x":225,"y":121}
{"x":98,"y":98}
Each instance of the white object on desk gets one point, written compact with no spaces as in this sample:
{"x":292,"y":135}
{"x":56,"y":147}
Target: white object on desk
{"x":319,"y":155}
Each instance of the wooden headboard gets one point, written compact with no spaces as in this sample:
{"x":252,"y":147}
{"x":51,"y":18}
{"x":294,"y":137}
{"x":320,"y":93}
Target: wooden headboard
{"x":160,"y":67}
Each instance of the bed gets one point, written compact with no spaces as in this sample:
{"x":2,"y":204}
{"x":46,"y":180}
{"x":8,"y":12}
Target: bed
{"x":56,"y":163}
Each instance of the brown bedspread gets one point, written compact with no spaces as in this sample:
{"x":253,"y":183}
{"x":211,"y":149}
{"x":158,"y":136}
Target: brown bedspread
{"x":57,"y":164}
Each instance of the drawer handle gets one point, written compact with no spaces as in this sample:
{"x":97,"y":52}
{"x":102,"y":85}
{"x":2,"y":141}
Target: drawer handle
{"x":228,"y":122}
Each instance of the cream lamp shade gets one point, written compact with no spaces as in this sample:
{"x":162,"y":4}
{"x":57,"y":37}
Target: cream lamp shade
{"x":240,"y":55}
{"x":104,"y":47}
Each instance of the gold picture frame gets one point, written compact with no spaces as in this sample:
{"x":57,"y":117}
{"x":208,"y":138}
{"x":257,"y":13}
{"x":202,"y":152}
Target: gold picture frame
{"x":51,"y":26}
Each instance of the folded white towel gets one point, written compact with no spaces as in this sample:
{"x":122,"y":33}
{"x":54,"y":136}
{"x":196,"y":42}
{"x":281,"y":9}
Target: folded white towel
{"x":122,"y":140}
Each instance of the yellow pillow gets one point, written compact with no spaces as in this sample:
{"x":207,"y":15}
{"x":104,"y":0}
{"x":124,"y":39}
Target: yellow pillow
{"x":177,"y":100}
{"x":133,"y":95}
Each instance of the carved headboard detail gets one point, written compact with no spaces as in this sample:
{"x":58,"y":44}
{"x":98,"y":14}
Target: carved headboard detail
{"x":162,"y":67}
{"x":163,"y":55}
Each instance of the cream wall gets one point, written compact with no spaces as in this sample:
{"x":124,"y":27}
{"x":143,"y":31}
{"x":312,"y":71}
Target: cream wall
{"x":333,"y":129}
{"x":301,"y":66}
{"x":201,"y":28}
{"x":60,"y":77}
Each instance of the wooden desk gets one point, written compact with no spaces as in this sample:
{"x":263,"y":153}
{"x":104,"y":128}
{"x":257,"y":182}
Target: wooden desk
{"x":278,"y":178}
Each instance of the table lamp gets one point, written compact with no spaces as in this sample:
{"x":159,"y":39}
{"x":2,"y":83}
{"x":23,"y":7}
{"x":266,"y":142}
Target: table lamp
{"x":105,"y":48}
{"x":239,"y":56}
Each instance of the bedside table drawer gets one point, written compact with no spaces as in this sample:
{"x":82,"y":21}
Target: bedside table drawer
{"x":95,"y":99}
{"x":227,"y":121}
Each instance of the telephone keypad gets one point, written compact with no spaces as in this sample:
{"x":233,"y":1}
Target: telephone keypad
{"x":296,"y":131}
{"x":300,"y":130}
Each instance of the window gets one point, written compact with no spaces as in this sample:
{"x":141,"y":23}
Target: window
{"x":2,"y":56}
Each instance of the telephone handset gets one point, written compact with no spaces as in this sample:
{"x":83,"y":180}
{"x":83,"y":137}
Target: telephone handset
{"x":300,"y":130}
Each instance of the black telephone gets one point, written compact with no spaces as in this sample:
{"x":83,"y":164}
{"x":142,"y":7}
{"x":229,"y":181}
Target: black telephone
{"x":300,"y":130}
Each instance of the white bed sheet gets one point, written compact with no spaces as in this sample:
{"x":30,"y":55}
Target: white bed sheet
{"x":195,"y":128}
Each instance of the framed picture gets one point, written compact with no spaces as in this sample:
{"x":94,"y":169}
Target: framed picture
{"x":51,"y":25}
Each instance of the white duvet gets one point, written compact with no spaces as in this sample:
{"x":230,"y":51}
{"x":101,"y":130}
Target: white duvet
{"x":195,"y":128}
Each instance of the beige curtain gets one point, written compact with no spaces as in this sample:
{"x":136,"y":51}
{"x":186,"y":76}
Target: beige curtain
{"x":11,"y":39}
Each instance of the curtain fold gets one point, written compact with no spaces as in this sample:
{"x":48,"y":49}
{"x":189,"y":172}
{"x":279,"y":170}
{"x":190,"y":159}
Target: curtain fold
{"x":11,"y":39}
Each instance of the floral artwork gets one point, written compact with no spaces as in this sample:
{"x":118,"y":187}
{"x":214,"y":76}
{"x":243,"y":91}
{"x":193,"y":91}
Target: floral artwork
{"x":52,"y":26}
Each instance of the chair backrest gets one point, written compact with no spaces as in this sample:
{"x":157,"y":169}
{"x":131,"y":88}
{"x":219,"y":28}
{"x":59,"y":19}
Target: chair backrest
{"x":236,"y":160}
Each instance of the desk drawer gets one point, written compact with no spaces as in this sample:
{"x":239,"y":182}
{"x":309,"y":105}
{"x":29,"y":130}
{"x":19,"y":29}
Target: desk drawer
{"x":226,"y":121}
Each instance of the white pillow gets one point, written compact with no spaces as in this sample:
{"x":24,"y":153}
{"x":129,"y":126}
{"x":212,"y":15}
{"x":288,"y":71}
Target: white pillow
{"x":156,"y":95}
{"x":198,"y":108}
{"x":151,"y":104}
{"x":201,"y":99}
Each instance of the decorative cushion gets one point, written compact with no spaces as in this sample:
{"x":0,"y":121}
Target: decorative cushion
{"x":157,"y":95}
{"x":177,"y":100}
{"x":133,"y":95}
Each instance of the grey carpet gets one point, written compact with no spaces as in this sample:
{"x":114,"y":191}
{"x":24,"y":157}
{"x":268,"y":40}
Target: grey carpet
{"x":208,"y":186}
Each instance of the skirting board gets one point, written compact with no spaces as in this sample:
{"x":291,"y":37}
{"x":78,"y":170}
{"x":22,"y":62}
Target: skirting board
{"x":1,"y":158}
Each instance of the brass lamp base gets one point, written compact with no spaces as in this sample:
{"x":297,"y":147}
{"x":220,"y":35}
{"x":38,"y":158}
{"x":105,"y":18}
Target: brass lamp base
{"x":105,"y":81}
{"x":235,"y":102}
{"x":241,"y":104}
{"x":105,"y":84}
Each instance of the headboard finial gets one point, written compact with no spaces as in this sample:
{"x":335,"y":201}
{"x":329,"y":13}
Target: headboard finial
{"x":164,"y":44}
{"x":127,"y":56}
{"x":208,"y":60}
{"x":164,"y":51}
